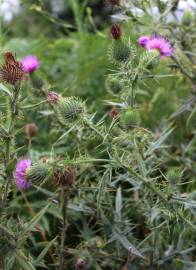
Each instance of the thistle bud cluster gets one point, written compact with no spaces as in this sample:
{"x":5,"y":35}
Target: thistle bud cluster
{"x":67,"y":109}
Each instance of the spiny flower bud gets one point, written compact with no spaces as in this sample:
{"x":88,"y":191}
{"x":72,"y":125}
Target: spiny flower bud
{"x":80,"y":264}
{"x":68,"y":110}
{"x":113,"y":84}
{"x":149,"y":59}
{"x":116,"y":31}
{"x":130,"y":118}
{"x":113,"y":113}
{"x":173,"y":175}
{"x":31,"y":130}
{"x":187,"y":18}
{"x":121,"y":51}
{"x":37,"y":172}
{"x":11,"y":71}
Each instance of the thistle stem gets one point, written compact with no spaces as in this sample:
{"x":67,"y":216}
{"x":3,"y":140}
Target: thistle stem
{"x":12,"y":112}
{"x":64,"y":197}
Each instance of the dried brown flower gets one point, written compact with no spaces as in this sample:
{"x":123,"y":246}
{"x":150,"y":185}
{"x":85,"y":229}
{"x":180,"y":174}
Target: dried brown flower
{"x":65,"y":178}
{"x":31,"y":130}
{"x":11,"y":71}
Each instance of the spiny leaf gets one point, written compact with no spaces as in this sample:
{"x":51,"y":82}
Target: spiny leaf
{"x":31,"y":224}
{"x":44,"y":251}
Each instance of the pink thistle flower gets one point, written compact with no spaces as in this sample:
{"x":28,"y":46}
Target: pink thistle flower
{"x":20,"y":174}
{"x":143,"y":40}
{"x":161,"y":44}
{"x":30,"y":63}
{"x":116,"y":31}
{"x":52,"y":97}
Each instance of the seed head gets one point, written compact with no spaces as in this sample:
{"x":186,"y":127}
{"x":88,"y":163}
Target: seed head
{"x":11,"y":71}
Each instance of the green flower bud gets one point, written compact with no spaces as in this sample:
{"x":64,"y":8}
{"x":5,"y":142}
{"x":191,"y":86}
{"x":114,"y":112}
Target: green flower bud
{"x":187,"y":18}
{"x":130,"y":118}
{"x":173,"y":175}
{"x":37,"y":173}
{"x":113,"y":84}
{"x":68,"y":110}
{"x":121,"y":51}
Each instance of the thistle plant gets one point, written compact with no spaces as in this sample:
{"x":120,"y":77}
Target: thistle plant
{"x":87,"y":177}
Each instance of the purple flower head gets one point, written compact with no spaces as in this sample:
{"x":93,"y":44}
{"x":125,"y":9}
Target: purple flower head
{"x":161,"y":44}
{"x":52,"y":97}
{"x":30,"y":63}
{"x":20,"y":174}
{"x":116,"y":31}
{"x":143,"y":40}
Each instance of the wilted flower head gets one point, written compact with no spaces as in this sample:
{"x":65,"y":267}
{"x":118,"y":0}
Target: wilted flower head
{"x":143,"y":40}
{"x":116,"y":31}
{"x":66,"y":177}
{"x":31,"y":130}
{"x":30,"y":63}
{"x":52,"y":97}
{"x":161,"y":44}
{"x":20,"y":174}
{"x":12,"y":70}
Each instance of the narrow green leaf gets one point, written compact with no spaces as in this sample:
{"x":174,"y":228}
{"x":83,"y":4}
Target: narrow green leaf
{"x":31,"y":224}
{"x":44,"y":251}
{"x":158,"y":143}
{"x":5,"y":90}
{"x":118,"y":203}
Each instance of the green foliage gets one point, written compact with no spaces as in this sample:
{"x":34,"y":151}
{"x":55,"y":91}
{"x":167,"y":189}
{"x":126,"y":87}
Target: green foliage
{"x":108,"y":191}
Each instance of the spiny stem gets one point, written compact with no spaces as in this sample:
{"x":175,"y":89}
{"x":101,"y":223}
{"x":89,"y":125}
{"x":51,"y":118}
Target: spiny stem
{"x":12,"y":112}
{"x":64,"y":196}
